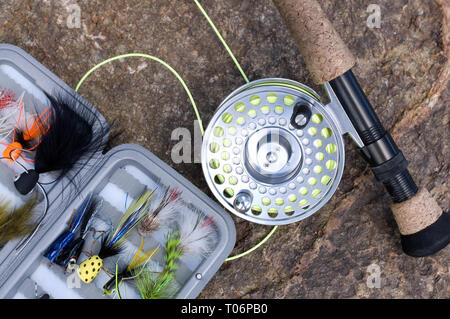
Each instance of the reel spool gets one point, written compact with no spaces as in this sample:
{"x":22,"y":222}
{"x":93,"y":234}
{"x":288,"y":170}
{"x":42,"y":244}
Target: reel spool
{"x":273,"y":153}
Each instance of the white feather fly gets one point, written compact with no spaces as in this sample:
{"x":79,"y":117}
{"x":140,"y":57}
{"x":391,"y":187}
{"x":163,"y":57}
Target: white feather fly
{"x":161,"y":212}
{"x":197,"y":234}
{"x":171,"y":212}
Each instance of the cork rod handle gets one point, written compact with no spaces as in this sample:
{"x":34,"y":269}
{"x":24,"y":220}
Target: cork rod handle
{"x":323,"y":50}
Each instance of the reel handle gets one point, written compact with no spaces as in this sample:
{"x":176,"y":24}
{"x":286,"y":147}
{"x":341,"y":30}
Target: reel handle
{"x":424,"y":228}
{"x":324,"y":52}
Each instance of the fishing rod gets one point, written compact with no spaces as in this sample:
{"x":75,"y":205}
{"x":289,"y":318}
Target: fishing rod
{"x":423,"y":226}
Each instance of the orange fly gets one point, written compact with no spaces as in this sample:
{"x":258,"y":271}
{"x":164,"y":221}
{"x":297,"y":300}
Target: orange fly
{"x":38,"y":128}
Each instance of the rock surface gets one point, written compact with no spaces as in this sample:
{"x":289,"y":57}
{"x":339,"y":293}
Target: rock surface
{"x":402,"y":66}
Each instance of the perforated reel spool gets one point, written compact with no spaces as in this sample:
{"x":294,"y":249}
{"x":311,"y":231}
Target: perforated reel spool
{"x":262,"y":168}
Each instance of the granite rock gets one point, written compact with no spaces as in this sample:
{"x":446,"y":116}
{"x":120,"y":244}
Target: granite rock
{"x":403,"y":67}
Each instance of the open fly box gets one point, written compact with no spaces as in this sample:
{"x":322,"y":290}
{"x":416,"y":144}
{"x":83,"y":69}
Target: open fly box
{"x":115,"y":179}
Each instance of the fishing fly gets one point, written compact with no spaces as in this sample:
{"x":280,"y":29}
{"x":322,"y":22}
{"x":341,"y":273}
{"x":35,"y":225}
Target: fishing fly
{"x":72,"y":137}
{"x":15,"y":222}
{"x":66,"y":249}
{"x":139,"y":261}
{"x":111,"y":244}
{"x":8,"y":112}
{"x":194,"y":235}
{"x":163,"y":212}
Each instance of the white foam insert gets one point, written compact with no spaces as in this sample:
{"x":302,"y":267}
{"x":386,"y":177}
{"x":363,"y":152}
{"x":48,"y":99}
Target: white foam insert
{"x":56,"y":286}
{"x":19,"y":295}
{"x":116,"y":197}
{"x":141,"y":176}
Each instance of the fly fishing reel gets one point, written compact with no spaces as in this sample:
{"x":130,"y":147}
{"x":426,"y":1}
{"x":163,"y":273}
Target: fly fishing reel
{"x":273,"y":153}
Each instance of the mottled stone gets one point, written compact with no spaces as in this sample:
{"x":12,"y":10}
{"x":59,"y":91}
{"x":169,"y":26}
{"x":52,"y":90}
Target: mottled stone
{"x":403,"y":67}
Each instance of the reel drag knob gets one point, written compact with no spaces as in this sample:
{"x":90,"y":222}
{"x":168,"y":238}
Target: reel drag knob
{"x":243,"y":202}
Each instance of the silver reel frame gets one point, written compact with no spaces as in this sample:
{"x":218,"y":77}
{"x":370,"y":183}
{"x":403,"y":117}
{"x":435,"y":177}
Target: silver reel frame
{"x":334,"y":117}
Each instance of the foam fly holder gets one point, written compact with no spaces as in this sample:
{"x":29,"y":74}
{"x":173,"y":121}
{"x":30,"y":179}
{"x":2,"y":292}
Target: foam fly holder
{"x":129,"y":168}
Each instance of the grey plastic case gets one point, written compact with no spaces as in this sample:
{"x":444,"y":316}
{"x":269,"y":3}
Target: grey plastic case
{"x":130,"y":168}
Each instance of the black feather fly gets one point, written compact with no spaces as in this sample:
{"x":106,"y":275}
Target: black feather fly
{"x":74,"y":134}
{"x":71,"y":137}
{"x":107,"y":251}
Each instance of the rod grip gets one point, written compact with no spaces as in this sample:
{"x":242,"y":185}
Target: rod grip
{"x":323,"y":50}
{"x":423,"y":226}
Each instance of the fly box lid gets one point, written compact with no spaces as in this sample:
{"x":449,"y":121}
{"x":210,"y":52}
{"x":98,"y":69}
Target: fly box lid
{"x":116,"y":179}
